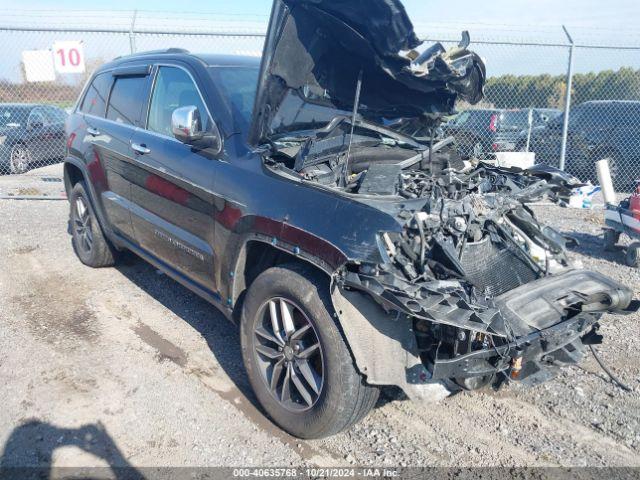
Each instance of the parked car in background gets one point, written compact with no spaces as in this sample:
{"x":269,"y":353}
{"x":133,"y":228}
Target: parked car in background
{"x":597,"y":130}
{"x":481,"y":132}
{"x":30,"y":134}
{"x":473,"y":131}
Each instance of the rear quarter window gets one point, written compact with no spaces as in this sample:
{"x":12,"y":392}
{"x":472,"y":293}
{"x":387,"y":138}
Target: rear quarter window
{"x":95,"y":100}
{"x":127,"y":97}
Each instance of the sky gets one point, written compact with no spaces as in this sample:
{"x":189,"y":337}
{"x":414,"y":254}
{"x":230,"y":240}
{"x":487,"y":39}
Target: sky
{"x":614,"y":22}
{"x":616,"y":15}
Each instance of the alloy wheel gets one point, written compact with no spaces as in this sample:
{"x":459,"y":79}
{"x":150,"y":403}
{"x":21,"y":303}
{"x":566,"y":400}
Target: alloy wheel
{"x":289,"y":354}
{"x":20,"y":159}
{"x":82,"y":225}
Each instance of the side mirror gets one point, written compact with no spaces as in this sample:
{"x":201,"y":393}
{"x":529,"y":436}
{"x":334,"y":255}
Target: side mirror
{"x":186,"y":125}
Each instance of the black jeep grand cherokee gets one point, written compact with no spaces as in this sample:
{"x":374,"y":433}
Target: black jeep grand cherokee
{"x":352,"y":256}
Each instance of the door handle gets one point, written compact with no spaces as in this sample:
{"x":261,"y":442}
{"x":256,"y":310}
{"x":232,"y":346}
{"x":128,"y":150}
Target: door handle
{"x":140,"y":149}
{"x":94,"y":132}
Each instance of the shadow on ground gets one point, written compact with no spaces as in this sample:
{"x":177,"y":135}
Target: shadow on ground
{"x":29,"y":450}
{"x":593,"y":246}
{"x":221,"y":335}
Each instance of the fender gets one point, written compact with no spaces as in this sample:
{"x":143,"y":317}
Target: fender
{"x":384,"y":346}
{"x":289,"y":240}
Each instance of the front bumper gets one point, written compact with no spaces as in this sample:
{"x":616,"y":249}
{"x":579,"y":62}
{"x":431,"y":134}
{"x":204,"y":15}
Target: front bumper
{"x":551,"y":319}
{"x":532,"y":359}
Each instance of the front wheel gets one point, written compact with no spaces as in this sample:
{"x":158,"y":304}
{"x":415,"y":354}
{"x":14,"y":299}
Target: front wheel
{"x":20,"y":159}
{"x":297,"y":361}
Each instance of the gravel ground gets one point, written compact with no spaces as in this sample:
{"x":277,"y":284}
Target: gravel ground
{"x":123,"y":366}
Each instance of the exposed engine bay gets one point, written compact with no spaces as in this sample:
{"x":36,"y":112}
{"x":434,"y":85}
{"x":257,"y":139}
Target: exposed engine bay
{"x":490,"y":292}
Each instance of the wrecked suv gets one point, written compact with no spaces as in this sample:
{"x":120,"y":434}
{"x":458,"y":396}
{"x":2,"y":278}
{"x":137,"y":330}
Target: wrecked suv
{"x":353,"y":255}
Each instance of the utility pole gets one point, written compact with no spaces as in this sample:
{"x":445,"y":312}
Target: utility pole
{"x":132,"y":37}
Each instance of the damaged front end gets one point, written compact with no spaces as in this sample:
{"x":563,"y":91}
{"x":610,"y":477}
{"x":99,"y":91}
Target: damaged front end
{"x":469,"y":289}
{"x":488,"y":293}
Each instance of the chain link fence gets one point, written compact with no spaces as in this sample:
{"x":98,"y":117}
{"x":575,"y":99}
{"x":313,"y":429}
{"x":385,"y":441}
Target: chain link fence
{"x":522,"y":118}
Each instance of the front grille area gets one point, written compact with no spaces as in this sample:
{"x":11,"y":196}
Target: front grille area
{"x":494,"y":270}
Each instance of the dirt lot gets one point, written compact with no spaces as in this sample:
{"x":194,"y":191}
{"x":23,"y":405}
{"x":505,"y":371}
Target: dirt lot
{"x":123,"y":366}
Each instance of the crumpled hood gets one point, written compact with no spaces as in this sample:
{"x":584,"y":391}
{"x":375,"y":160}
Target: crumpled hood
{"x":315,"y":51}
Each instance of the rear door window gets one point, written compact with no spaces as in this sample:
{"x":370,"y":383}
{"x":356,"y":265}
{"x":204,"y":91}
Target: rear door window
{"x":126,"y":100}
{"x":95,"y":100}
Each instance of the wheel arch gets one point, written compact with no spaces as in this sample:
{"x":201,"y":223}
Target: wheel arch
{"x":72,"y":174}
{"x":75,"y":171}
{"x":257,"y":255}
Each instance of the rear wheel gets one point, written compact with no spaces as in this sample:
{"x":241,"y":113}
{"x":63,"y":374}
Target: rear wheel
{"x":89,"y":243}
{"x":296,"y":358}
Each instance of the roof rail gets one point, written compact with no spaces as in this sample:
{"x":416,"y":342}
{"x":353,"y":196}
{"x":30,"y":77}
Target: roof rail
{"x":155,"y":52}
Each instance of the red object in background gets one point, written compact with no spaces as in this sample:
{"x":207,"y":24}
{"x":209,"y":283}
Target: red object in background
{"x":493,"y":122}
{"x":634,"y":203}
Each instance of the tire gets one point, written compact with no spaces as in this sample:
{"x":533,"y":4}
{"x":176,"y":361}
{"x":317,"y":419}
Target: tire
{"x":611,"y":238}
{"x":633,"y":255}
{"x":19,"y":159}
{"x":89,"y":242}
{"x":341,"y":397}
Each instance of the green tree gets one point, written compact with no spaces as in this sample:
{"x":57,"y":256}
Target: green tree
{"x":548,"y":91}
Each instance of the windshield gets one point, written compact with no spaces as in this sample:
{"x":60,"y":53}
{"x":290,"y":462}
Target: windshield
{"x":239,"y":86}
{"x":12,"y":116}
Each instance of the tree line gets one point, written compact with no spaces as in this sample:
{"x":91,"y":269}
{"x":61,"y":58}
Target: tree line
{"x":50,"y":93}
{"x":506,"y":91}
{"x":548,"y":91}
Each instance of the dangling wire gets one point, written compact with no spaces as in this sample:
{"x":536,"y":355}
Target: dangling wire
{"x":613,"y":378}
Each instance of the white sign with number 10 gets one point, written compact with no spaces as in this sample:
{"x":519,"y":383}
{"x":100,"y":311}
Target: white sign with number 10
{"x":68,"y":57}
